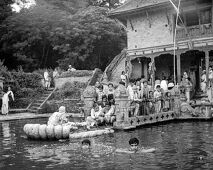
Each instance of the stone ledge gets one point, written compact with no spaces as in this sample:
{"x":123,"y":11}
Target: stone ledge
{"x":20,"y":116}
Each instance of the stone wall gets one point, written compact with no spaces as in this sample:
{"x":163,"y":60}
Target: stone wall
{"x":72,"y":106}
{"x":116,"y":73}
{"x":59,"y":82}
{"x":148,"y":31}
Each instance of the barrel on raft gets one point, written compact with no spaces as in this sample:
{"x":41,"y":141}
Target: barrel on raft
{"x":37,"y":131}
{"x":88,"y":134}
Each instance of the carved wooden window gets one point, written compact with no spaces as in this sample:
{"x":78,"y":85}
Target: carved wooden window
{"x":205,"y":16}
{"x":192,"y":18}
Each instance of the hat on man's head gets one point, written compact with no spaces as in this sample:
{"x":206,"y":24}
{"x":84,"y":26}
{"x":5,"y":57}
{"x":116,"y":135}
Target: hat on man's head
{"x":62,"y":109}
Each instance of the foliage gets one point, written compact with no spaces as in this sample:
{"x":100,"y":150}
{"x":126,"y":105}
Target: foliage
{"x":106,"y":3}
{"x":27,"y":80}
{"x":77,"y":73}
{"x":59,"y":32}
{"x":70,"y":90}
{"x":25,"y":86}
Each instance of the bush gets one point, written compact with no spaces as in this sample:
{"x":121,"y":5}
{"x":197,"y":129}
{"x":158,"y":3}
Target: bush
{"x":70,"y":90}
{"x":19,"y":103}
{"x":27,"y":80}
{"x":25,"y":86}
{"x":77,"y":73}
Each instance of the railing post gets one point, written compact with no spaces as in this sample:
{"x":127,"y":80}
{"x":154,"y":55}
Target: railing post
{"x":89,"y":98}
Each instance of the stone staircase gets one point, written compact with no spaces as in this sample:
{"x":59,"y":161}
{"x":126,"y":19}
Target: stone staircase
{"x":37,"y":104}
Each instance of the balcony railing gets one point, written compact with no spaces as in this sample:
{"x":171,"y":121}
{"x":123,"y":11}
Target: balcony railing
{"x":193,"y":32}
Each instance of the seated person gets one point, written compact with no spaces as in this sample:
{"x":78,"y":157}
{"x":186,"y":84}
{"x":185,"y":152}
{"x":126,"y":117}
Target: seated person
{"x":58,"y":118}
{"x":111,"y":99}
{"x":70,"y":69}
{"x":100,"y":93}
{"x":97,"y":116}
{"x":134,"y":142}
{"x":103,"y":102}
{"x":86,"y":144}
{"x":111,"y":89}
{"x":109,"y":111}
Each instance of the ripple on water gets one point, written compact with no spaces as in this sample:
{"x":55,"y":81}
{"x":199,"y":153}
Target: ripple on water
{"x":179,"y":146}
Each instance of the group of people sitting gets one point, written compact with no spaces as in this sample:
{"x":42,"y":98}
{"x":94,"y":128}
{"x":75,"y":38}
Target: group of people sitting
{"x":146,"y":99}
{"x":104,"y":106}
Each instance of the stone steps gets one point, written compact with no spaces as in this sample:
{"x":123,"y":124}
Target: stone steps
{"x":36,"y":105}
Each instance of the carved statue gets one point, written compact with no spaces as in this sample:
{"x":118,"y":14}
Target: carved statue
{"x":186,"y":109}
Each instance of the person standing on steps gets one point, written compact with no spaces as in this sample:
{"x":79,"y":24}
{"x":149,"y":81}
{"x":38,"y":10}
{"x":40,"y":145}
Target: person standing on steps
{"x":55,"y":75}
{"x":47,"y":79}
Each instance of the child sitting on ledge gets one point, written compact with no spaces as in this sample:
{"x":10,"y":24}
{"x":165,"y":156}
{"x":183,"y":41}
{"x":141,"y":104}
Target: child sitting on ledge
{"x":96,"y":118}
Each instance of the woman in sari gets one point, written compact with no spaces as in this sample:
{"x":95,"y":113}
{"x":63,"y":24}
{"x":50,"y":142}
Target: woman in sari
{"x":5,"y":101}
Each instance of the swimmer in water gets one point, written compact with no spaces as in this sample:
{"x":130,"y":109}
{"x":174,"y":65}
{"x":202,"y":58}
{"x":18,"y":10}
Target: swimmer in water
{"x":134,"y":142}
{"x":86,"y":143}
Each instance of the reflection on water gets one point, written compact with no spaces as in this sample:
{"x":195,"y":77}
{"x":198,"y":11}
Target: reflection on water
{"x":179,"y":146}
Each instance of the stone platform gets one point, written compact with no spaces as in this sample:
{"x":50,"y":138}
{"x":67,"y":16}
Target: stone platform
{"x":19,"y":116}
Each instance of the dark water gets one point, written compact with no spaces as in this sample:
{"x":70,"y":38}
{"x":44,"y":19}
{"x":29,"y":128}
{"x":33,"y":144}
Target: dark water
{"x":186,"y":145}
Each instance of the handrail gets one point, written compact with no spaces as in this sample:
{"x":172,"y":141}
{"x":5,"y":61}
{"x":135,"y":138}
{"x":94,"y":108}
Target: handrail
{"x":47,"y":98}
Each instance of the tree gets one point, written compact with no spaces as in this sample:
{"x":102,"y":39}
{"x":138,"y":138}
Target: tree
{"x":106,"y":3}
{"x":51,"y":34}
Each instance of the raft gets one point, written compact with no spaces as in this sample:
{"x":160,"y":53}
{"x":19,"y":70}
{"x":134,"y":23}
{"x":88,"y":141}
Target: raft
{"x":37,"y":131}
{"x":88,"y":134}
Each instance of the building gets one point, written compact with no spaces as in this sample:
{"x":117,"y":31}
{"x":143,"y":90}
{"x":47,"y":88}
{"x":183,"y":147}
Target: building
{"x":151,"y":32}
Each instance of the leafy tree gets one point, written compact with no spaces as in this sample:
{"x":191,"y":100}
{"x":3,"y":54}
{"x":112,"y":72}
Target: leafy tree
{"x":49,"y":34}
{"x":106,"y":3}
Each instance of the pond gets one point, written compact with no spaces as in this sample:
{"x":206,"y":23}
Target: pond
{"x":186,"y":145}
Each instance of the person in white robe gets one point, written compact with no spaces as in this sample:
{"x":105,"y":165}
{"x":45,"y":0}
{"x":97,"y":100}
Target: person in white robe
{"x":5,"y":101}
{"x":58,"y":118}
{"x":46,"y":79}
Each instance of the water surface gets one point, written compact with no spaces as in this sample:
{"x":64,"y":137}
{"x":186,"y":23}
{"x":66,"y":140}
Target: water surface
{"x":186,"y":145}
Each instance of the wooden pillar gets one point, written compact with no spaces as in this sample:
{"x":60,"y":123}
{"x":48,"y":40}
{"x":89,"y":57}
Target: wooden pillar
{"x":153,"y":69}
{"x":178,"y":68}
{"x":207,"y":67}
{"x":212,"y":13}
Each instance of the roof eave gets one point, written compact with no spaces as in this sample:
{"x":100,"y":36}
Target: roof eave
{"x":138,"y":10}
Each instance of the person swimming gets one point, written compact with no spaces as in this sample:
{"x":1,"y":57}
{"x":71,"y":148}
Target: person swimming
{"x":134,"y":142}
{"x":86,"y":143}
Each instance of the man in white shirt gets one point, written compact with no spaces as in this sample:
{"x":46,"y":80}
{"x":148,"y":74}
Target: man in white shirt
{"x":71,"y":68}
{"x":58,"y":118}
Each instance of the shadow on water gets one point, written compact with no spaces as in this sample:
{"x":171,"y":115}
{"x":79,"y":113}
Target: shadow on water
{"x":184,"y":145}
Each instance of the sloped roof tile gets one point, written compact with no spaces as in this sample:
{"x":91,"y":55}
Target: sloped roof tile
{"x":135,"y":4}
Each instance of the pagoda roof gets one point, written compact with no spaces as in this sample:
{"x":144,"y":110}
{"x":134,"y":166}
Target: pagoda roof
{"x":134,"y":5}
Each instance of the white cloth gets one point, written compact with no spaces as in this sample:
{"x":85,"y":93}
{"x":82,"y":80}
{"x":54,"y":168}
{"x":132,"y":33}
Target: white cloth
{"x":11,"y":93}
{"x":203,"y":83}
{"x":123,"y":78}
{"x":71,"y":69}
{"x":163,"y":85}
{"x":157,"y":94}
{"x":95,"y":114}
{"x":46,"y":76}
{"x":130,"y":92}
{"x":5,"y":105}
{"x":55,"y":74}
{"x":56,"y":118}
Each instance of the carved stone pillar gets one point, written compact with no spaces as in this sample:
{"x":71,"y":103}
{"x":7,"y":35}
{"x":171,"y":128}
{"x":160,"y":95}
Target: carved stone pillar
{"x":89,"y":98}
{"x":178,"y":68}
{"x":207,"y":67}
